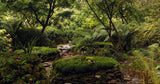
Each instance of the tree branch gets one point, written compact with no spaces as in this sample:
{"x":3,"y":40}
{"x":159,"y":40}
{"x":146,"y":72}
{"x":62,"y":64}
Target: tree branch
{"x":109,"y":33}
{"x":111,"y":23}
{"x":50,"y":13}
{"x":121,"y":13}
{"x":35,"y":13}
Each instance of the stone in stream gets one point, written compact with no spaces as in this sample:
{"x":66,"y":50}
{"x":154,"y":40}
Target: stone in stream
{"x":65,"y":48}
{"x":47,"y":64}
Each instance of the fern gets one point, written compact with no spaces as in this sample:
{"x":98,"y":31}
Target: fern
{"x":145,"y":59}
{"x":127,"y":35}
{"x":77,"y":40}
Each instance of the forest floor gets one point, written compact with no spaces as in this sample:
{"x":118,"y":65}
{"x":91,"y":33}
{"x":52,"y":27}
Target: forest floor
{"x":130,"y":76}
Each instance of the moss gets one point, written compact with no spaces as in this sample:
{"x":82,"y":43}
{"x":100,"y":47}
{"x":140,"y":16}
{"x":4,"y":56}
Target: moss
{"x":46,"y":53}
{"x":82,"y":64}
{"x":44,"y":50}
{"x":40,"y":50}
{"x":84,"y":70}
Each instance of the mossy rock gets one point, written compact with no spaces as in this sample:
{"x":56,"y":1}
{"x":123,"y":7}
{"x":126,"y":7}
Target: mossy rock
{"x":83,"y":69}
{"x":45,"y":53}
{"x":21,"y":69}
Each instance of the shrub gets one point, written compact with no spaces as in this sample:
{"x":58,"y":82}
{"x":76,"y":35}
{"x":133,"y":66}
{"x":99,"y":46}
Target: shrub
{"x":58,"y":35}
{"x":27,"y":35}
{"x":21,"y":69}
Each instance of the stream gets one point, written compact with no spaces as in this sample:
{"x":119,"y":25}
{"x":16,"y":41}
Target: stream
{"x":64,"y":53}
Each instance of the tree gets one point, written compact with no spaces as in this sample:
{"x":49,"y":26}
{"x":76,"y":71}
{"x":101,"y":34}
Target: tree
{"x":38,"y":11}
{"x":123,"y":9}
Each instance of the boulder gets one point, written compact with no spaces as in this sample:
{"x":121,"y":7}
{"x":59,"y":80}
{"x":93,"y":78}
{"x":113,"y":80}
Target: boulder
{"x":86,"y":70}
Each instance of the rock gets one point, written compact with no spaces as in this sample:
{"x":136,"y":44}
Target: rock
{"x":97,"y":76}
{"x":67,"y":83}
{"x":59,"y":47}
{"x":70,"y":71}
{"x":65,"y":48}
{"x":63,"y":51}
{"x":47,"y":64}
{"x":136,"y":81}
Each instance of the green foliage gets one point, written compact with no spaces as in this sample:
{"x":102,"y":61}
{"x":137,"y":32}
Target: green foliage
{"x":146,"y":65}
{"x":11,"y":23}
{"x":44,"y":50}
{"x":127,"y":33}
{"x":45,"y":53}
{"x":105,"y":11}
{"x":146,"y":59}
{"x":86,"y":36}
{"x":95,"y":48}
{"x":82,"y":64}
{"x":26,"y":35}
{"x":57,"y":35}
{"x":126,"y":10}
{"x":3,"y":9}
{"x":84,"y":20}
{"x":21,"y":69}
{"x":39,"y":11}
{"x":4,"y":41}
{"x":27,"y":38}
{"x":151,"y":51}
{"x":60,"y":29}
{"x":148,"y":32}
